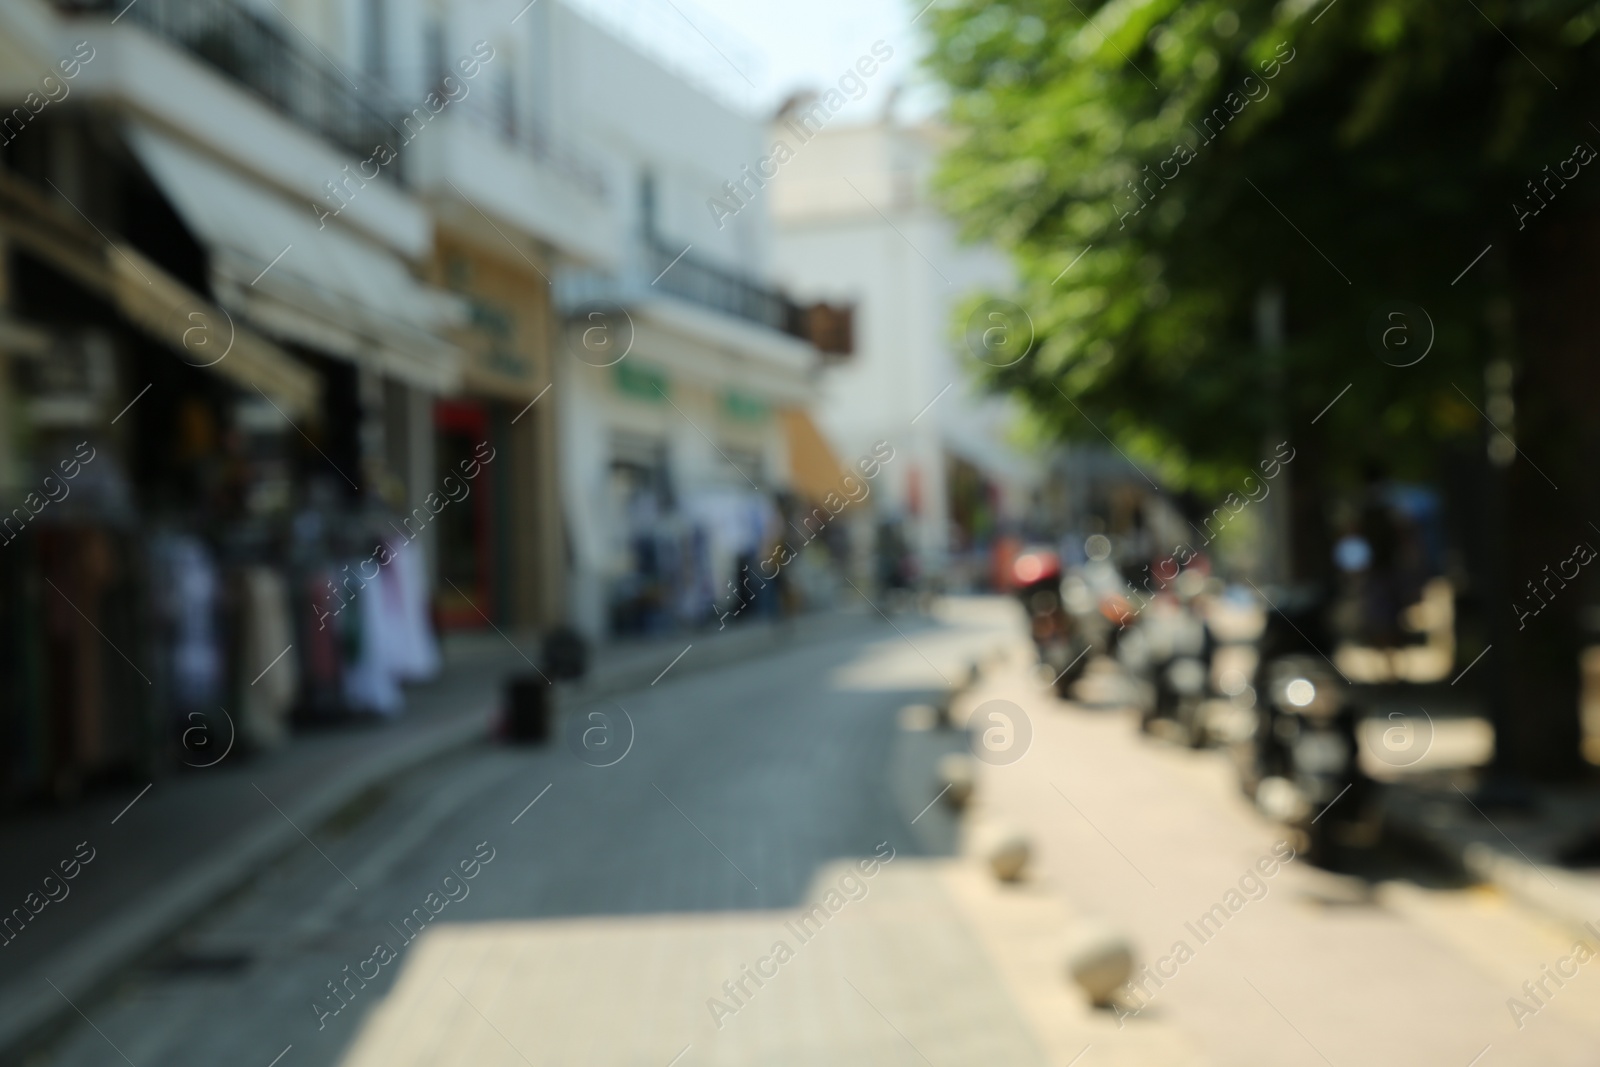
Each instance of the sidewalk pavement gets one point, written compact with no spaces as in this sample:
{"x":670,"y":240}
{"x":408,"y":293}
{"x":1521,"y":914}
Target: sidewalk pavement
{"x":1152,"y":838}
{"x":163,"y":854}
{"x":1514,"y":852}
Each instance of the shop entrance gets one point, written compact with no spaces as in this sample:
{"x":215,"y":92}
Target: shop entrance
{"x":467,"y":572}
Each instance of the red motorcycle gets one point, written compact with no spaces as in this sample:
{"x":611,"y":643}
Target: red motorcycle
{"x":1036,"y":580}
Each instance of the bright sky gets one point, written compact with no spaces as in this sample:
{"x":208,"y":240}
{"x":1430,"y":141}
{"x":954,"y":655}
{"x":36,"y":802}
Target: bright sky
{"x":755,"y":52}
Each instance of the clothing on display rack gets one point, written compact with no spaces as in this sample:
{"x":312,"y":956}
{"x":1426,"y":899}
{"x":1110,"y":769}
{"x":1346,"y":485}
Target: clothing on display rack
{"x":266,"y":657}
{"x":370,"y":682}
{"x":392,"y":640}
{"x":414,"y":653}
{"x":321,"y":640}
{"x":188,"y":590}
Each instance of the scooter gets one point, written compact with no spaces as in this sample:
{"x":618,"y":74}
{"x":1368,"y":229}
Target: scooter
{"x":1061,"y":646}
{"x":1179,"y":670}
{"x":1307,"y":771}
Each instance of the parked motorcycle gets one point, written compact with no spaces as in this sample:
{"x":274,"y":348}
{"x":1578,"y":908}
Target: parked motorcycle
{"x":1059,"y":641}
{"x":1178,"y":665}
{"x":1306,"y":769}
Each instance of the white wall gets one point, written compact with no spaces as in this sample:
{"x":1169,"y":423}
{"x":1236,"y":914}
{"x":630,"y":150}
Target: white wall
{"x":636,"y":115}
{"x":907,"y":275}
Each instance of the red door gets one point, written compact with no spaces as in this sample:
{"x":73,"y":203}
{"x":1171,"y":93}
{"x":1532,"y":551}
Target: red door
{"x":464,"y":527}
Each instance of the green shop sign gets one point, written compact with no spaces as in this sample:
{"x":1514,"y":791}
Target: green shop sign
{"x":641,"y":381}
{"x":744,"y":408}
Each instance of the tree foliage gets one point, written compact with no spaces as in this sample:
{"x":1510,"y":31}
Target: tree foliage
{"x":1198,"y":156}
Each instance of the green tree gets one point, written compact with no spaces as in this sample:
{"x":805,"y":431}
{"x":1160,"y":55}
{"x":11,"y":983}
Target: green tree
{"x":1165,"y":175}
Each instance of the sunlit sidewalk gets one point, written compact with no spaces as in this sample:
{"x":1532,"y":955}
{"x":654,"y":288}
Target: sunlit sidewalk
{"x":1284,"y":963}
{"x":894,"y":973}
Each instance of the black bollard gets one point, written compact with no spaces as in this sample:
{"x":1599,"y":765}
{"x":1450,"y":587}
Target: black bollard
{"x":527,"y":709}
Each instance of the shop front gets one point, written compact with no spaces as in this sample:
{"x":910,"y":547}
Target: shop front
{"x":499,"y":548}
{"x":678,"y":477}
{"x":126,"y":440}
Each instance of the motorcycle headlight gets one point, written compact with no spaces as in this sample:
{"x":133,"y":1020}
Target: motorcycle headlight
{"x":1304,"y":685}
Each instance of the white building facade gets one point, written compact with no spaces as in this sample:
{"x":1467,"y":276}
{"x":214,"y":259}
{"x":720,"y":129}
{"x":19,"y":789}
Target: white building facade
{"x":679,"y":360}
{"x":856,"y":225}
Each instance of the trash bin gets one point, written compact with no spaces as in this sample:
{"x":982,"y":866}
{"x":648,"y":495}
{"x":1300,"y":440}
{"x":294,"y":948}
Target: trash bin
{"x":528,"y":708}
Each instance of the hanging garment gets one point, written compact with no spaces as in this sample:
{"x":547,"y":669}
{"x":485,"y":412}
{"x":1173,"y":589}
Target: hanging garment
{"x":413,"y":651}
{"x":77,"y":561}
{"x":370,"y":683}
{"x":266,"y":656}
{"x":189,"y":591}
{"x":321,"y":639}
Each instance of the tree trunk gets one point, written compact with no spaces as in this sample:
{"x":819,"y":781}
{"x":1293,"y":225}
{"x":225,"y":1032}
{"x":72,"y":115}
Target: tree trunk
{"x":1549,"y":501}
{"x":1310,"y":547}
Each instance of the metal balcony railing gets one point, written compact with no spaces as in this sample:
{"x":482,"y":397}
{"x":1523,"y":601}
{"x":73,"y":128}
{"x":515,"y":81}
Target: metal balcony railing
{"x":699,"y":282}
{"x":259,"y":55}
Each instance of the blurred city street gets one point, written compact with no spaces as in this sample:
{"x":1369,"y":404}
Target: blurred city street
{"x":615,"y":907}
{"x":647,"y":533}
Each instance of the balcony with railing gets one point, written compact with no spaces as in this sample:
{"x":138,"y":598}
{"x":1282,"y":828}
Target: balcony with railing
{"x":684,"y":275}
{"x":662,"y":270}
{"x":254,"y":52}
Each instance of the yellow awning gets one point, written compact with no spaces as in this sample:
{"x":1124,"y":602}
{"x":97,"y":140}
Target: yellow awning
{"x":198,"y":331}
{"x":206,"y":336}
{"x":815,"y":470}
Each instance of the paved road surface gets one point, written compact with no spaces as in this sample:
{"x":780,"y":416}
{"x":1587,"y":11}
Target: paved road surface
{"x":615,"y":908}
{"x":628,"y":892}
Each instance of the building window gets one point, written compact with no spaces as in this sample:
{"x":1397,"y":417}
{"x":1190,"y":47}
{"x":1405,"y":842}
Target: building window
{"x":433,"y":55}
{"x":639,"y":469}
{"x":537,"y":94}
{"x":506,"y":102}
{"x":375,"y":39}
{"x":647,"y":203}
